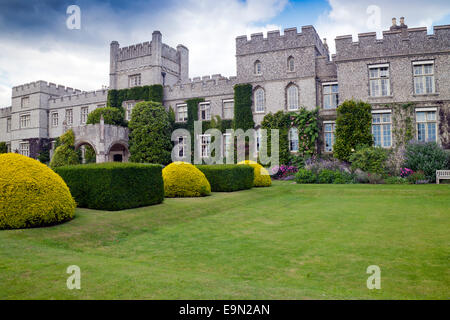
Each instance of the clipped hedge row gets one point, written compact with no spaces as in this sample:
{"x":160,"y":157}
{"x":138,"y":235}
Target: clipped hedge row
{"x":228,"y":177}
{"x":114,"y":186}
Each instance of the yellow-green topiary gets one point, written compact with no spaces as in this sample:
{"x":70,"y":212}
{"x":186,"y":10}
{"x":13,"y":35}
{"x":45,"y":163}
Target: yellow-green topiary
{"x":31,"y":194}
{"x":262,"y":177}
{"x":182,"y":179}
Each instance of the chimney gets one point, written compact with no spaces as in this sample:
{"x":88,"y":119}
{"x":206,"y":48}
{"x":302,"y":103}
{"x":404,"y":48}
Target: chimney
{"x":325,"y":44}
{"x":394,"y":22}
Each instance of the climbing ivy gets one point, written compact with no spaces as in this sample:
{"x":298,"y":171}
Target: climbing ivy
{"x":142,"y":93}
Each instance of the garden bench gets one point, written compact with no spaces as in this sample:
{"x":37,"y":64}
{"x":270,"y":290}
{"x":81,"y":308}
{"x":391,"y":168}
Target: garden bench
{"x":442,"y":174}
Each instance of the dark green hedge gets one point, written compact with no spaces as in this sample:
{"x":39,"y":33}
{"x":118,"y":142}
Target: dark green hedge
{"x":228,"y":177}
{"x":114,"y":186}
{"x":145,"y":93}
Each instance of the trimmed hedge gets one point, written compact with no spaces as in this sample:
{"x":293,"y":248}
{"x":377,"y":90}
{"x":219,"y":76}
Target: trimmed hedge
{"x":114,"y":186}
{"x":228,"y":177}
{"x":182,"y":179}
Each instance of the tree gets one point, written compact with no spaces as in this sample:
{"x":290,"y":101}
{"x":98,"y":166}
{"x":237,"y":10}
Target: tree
{"x":65,"y":153}
{"x":353,"y":128}
{"x":3,"y":147}
{"x":150,"y":134}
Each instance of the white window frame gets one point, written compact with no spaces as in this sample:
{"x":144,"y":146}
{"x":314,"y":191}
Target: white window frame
{"x":24,"y":148}
{"x":205,"y":145}
{"x":225,"y":107}
{"x":205,"y":111}
{"x":128,"y":110}
{"x":54,"y":118}
{"x":257,"y":68}
{"x":292,"y":97}
{"x":260,"y":100}
{"x":420,"y":80}
{"x":134,"y":80}
{"x":333,"y":96}
{"x":226,"y":137}
{"x":378,"y":79}
{"x":25,"y":120}
{"x":84,"y":112}
{"x":68,"y":117}
{"x":181,"y":146}
{"x":292,"y":140}
{"x":383,"y":126}
{"x":184,"y":112}
{"x":430,"y":119}
{"x":331,"y":133}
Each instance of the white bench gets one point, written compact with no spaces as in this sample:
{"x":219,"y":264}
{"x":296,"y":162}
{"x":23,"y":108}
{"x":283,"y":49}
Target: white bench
{"x":442,"y":174}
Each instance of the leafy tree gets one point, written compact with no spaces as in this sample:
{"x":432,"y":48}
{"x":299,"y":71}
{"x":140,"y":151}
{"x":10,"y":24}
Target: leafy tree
{"x":150,"y":134}
{"x":427,"y":157}
{"x":353,"y":128}
{"x":114,"y":116}
{"x":65,"y":153}
{"x":370,"y":159}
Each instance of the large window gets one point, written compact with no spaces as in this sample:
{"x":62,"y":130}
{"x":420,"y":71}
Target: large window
{"x":381,"y":129}
{"x":69,"y":117}
{"x":84,"y":114}
{"x":134,"y":80}
{"x":25,"y":120}
{"x":25,"y":102}
{"x":205,"y":111}
{"x":329,"y":129}
{"x":423,"y":77}
{"x":330,"y":95}
{"x":292,"y":97}
{"x":258,"y":67}
{"x":426,"y":125}
{"x":205,"y":141}
{"x":379,"y":80}
{"x":8,"y":124}
{"x":24,"y":149}
{"x":128,"y":110}
{"x":228,"y":109}
{"x":182,"y":113}
{"x":181,"y":146}
{"x":226,"y":145}
{"x":290,"y":64}
{"x":54,"y":119}
{"x":259,"y":100}
{"x":293,"y":139}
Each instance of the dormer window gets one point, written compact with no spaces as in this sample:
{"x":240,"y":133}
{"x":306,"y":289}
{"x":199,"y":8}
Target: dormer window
{"x":290,"y":64}
{"x":258,"y":67}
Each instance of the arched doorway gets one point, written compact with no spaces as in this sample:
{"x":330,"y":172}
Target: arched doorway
{"x":118,"y":152}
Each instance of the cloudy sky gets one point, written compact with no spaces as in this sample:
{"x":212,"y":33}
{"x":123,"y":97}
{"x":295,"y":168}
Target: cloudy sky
{"x":35,"y":43}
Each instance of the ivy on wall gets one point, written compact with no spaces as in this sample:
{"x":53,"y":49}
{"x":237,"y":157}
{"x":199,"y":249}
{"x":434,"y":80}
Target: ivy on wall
{"x":243,"y":116}
{"x":145,"y":93}
{"x":402,"y":123}
{"x":353,"y":128}
{"x":306,"y":122}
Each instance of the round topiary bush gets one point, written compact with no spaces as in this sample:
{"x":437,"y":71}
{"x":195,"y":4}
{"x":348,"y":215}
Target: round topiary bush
{"x":262,"y":177}
{"x":182,"y":179}
{"x":31,"y":194}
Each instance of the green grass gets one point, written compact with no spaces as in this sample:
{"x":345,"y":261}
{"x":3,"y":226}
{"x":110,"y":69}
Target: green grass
{"x":285,"y":242}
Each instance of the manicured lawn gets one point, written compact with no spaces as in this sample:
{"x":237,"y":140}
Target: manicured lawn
{"x":285,"y":242}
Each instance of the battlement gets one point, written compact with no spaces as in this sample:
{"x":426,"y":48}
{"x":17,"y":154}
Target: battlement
{"x":135,"y":51}
{"x":5,"y":112}
{"x":169,"y":52}
{"x":394,"y":42}
{"x":275,"y":41}
{"x":44,"y":87}
{"x":201,"y":86}
{"x":101,"y":94}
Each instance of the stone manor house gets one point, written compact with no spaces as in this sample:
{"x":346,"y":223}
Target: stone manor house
{"x":286,"y":71}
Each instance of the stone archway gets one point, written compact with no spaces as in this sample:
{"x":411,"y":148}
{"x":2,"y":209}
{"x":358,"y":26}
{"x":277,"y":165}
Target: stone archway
{"x":85,"y":157}
{"x":118,"y":152}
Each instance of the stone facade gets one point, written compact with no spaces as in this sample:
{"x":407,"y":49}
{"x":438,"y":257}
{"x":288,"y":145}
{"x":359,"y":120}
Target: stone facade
{"x":406,"y":66}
